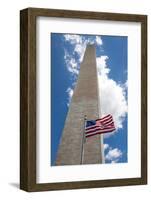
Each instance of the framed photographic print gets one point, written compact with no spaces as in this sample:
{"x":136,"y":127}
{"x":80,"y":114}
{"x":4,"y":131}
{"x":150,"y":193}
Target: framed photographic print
{"x":83,"y":99}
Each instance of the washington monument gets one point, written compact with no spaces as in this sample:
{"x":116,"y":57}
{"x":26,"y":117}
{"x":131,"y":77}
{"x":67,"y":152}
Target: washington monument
{"x":85,"y":102}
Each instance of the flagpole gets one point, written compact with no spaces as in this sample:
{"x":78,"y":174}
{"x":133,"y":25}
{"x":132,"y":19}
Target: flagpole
{"x":83,"y":140}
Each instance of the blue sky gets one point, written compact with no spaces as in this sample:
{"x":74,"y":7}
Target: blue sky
{"x":67,"y":51}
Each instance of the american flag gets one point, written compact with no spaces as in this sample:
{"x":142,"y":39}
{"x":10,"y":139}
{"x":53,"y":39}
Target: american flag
{"x":99,"y":126}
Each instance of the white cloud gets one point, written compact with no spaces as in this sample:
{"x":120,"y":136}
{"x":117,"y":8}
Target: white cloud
{"x":102,"y":66}
{"x":71,"y":64}
{"x":113,"y":155}
{"x":70,"y":94}
{"x":99,"y":40}
{"x":114,"y":161}
{"x":80,"y":49}
{"x":79,"y":43}
{"x":126,"y":84}
{"x":112,"y":94}
{"x":73,"y":39}
{"x":105,"y":146}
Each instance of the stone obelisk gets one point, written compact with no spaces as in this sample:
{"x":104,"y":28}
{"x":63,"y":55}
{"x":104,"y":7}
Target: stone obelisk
{"x":85,"y":101}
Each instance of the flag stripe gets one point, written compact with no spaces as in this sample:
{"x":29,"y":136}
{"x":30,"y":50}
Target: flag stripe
{"x":105,"y":120}
{"x":110,"y":123}
{"x":91,"y":127}
{"x":100,"y":132}
{"x":100,"y":129}
{"x":104,"y":117}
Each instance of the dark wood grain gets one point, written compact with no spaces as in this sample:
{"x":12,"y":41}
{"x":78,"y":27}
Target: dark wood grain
{"x":28,"y":98}
{"x":23,"y":100}
{"x":144,"y":99}
{"x":86,"y":15}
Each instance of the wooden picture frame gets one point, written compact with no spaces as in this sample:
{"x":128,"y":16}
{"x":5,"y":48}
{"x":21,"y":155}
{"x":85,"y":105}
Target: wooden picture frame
{"x":28,"y":98}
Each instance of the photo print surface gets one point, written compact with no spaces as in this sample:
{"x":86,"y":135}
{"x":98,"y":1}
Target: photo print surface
{"x":89,"y":92}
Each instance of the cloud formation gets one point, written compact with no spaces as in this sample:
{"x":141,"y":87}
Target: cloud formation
{"x":113,"y":95}
{"x":79,"y":44}
{"x":70,"y":93}
{"x":105,"y":146}
{"x":113,"y":155}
